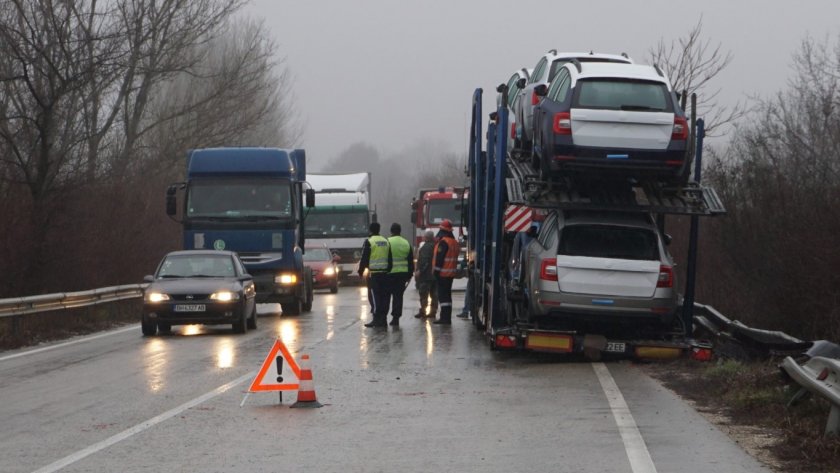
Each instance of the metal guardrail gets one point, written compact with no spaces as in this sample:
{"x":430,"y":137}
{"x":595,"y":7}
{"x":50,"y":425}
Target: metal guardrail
{"x":820,"y":376}
{"x":68,"y":300}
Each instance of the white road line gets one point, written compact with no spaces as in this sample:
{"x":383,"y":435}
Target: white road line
{"x":634,"y":444}
{"x":65,"y":344}
{"x":70,"y":459}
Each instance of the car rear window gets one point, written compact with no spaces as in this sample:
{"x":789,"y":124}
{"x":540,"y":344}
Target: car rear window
{"x":622,"y":94}
{"x":604,"y":241}
{"x":317,"y":254}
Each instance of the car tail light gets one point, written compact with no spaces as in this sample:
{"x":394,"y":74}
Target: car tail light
{"x":563,"y":123}
{"x":513,"y":131}
{"x":680,"y":131}
{"x":548,"y":269}
{"x":666,"y":277}
{"x":535,"y":99}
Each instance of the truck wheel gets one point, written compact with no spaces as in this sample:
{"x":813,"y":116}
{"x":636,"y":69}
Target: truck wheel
{"x":291,"y":308}
{"x":307,"y":305}
{"x":148,"y":327}
{"x":334,"y":288}
{"x":252,"y":321}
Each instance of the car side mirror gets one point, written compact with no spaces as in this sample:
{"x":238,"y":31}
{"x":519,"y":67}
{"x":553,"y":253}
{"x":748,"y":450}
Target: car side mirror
{"x":246,"y":277}
{"x":541,"y":90}
{"x":667,"y":239}
{"x":310,"y":198}
{"x":521,"y":83}
{"x":336,"y":258}
{"x":148,"y":278}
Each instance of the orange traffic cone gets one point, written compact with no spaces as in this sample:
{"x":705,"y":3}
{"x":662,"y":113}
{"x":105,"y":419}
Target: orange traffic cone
{"x":306,"y":391}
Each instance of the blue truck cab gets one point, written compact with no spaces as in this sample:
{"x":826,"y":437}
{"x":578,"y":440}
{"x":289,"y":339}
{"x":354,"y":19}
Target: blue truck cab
{"x":251,"y":201}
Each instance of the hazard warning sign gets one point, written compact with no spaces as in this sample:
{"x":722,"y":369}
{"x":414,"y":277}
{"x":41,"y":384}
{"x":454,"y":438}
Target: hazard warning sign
{"x":279,"y":371}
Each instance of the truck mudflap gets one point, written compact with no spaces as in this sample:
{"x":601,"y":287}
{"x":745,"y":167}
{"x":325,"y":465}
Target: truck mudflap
{"x":595,"y":347}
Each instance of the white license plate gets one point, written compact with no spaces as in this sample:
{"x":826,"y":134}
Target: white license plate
{"x":190,"y":308}
{"x":615,"y":347}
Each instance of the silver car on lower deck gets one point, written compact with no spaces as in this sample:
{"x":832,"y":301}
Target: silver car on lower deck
{"x":591,"y":267}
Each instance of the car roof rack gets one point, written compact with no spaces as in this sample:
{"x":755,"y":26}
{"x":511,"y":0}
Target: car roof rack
{"x":553,"y":51}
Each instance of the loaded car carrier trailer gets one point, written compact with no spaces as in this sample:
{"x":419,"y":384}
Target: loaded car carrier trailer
{"x":501,"y":181}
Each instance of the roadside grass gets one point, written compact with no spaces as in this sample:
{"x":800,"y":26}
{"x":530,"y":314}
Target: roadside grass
{"x":756,"y":394}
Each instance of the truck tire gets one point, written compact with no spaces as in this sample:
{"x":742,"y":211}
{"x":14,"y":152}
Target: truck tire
{"x":291,"y":308}
{"x":307,"y":304}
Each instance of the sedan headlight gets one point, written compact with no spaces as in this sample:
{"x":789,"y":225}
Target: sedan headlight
{"x":285,"y":279}
{"x":156,"y":297}
{"x":329,"y":271}
{"x":224,"y":296}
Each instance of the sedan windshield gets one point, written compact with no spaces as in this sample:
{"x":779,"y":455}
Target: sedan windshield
{"x":604,"y":241}
{"x":196,"y":266}
{"x":622,"y":94}
{"x":235,"y":198}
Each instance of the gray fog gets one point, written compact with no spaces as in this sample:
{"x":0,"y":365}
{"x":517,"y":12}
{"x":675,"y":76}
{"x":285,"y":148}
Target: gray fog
{"x":390,"y":72}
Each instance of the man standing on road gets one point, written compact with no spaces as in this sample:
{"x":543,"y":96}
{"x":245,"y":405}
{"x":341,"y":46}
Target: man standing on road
{"x":424,"y":277}
{"x":446,"y":265}
{"x":400,"y":274}
{"x":376,"y":259}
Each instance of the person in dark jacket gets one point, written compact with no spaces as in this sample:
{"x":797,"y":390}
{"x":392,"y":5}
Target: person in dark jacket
{"x":376,"y":259}
{"x":424,"y":277}
{"x":446,"y":267}
{"x":400,"y":274}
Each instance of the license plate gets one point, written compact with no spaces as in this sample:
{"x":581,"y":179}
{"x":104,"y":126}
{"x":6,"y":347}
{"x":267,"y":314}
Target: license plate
{"x":190,"y":308}
{"x":615,"y":347}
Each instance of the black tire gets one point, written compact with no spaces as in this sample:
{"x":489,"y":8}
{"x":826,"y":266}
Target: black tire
{"x":252,"y":321}
{"x":291,"y":308}
{"x":310,"y":296}
{"x":148,"y":327}
{"x":164,"y":327}
{"x":334,"y":288}
{"x":239,"y":325}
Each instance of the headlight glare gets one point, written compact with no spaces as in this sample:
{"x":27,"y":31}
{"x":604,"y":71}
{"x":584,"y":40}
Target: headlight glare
{"x":329,"y":271}
{"x":224,"y":296}
{"x":156,"y":297}
{"x":285,"y":279}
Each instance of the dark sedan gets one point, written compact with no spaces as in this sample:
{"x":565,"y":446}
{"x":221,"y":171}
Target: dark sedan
{"x":199,"y":287}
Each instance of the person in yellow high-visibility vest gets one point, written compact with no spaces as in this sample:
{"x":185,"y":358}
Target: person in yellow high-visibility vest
{"x":401,"y":271}
{"x":376,"y":259}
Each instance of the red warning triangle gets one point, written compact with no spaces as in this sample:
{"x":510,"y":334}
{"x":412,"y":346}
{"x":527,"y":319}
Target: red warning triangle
{"x":278,"y":372}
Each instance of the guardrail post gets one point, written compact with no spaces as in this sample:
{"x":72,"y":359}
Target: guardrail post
{"x":832,"y":427}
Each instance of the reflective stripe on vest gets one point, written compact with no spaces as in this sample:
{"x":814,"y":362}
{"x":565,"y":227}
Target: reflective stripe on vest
{"x":400,"y":249}
{"x":378,"y":254}
{"x":450,"y":261}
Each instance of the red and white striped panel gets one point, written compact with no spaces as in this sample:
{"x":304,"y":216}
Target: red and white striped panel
{"x":517,"y":218}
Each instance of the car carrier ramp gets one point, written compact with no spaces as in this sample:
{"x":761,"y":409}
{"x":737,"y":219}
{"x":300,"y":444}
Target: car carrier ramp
{"x":524,"y":187}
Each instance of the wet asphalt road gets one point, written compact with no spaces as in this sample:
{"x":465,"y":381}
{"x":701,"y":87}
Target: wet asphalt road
{"x":419,"y":398}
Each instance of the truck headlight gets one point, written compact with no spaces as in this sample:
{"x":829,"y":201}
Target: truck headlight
{"x":224,"y":296}
{"x":285,"y":279}
{"x":156,"y":297}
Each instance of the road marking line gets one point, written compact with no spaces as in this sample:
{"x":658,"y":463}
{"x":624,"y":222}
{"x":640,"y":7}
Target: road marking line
{"x":70,"y":459}
{"x":634,"y":444}
{"x":65,"y":344}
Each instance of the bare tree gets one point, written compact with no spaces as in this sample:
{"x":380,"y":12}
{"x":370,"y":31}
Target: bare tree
{"x":691,"y":64}
{"x":779,"y":180}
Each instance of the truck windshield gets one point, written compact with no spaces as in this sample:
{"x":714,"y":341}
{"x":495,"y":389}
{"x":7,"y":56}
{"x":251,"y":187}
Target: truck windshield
{"x":238,"y":198}
{"x":341,"y":223}
{"x":445,"y":208}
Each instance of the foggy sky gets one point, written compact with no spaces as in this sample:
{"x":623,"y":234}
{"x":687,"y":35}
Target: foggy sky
{"x":391,"y":72}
